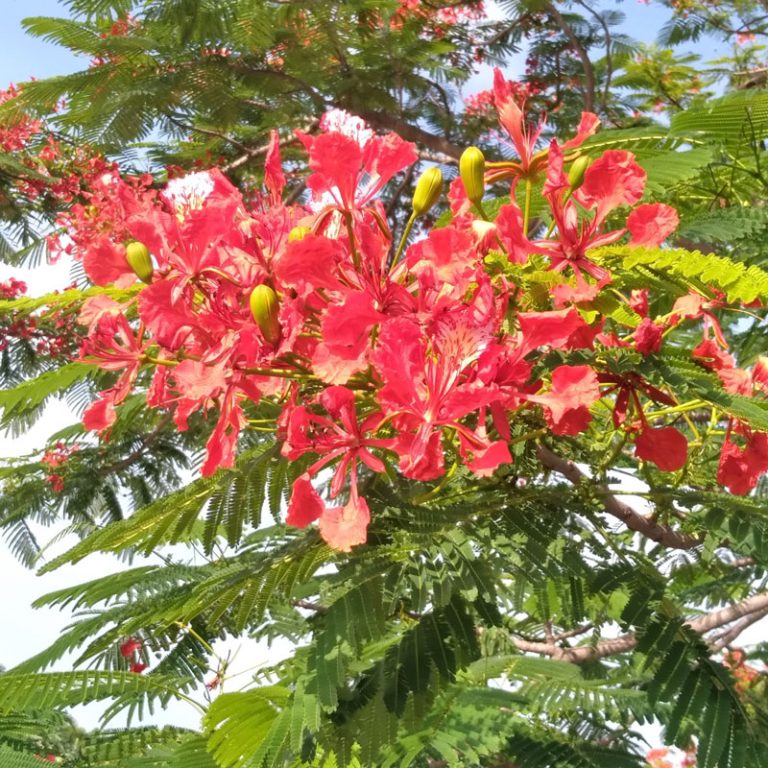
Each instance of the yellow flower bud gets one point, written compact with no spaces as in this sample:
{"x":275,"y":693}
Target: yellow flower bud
{"x":578,"y":169}
{"x":139,"y":260}
{"x":265,"y":308}
{"x":298,"y":233}
{"x":429,"y":187}
{"x":472,"y":172}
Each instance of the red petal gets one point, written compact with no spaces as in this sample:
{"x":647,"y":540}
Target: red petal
{"x":305,"y":505}
{"x":345,"y":527}
{"x":650,"y":225}
{"x":274,"y":179}
{"x":613,"y":180}
{"x":666,"y":447}
{"x":564,"y":329}
{"x":100,"y":415}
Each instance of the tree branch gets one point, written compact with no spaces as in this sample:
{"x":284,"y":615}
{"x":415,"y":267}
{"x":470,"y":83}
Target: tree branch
{"x":409,"y":132}
{"x":648,"y":527}
{"x":581,"y":52}
{"x":250,"y":153}
{"x":726,"y":638}
{"x":146,"y":442}
{"x":751,"y":609}
{"x":608,"y":58}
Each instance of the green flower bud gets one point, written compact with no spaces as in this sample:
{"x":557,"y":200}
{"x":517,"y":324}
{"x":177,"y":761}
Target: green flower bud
{"x":472,"y":172}
{"x":139,"y":260}
{"x":265,"y":308}
{"x":429,"y":187}
{"x":298,"y":233}
{"x":578,"y":169}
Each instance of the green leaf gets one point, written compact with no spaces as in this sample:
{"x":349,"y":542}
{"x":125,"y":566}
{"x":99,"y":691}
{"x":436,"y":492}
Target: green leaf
{"x":29,"y":395}
{"x":172,"y":518}
{"x":238,"y":726}
{"x":736,"y":118}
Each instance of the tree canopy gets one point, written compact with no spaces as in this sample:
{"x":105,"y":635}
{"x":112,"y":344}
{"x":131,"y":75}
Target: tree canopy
{"x":459,"y":392}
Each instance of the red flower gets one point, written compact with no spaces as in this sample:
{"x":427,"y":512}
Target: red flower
{"x":666,"y":447}
{"x":574,"y":389}
{"x":506,"y":96}
{"x":130,"y":646}
{"x":651,"y":225}
{"x":306,"y":431}
{"x":613,"y":180}
{"x":349,"y":172}
{"x":648,"y":336}
{"x":741,"y":468}
{"x":430,"y":384}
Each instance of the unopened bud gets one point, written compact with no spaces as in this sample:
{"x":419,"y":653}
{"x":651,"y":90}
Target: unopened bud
{"x":429,"y":187}
{"x":298,"y":233}
{"x":265,"y":308}
{"x":578,"y":169}
{"x":472,"y":172}
{"x":139,"y":260}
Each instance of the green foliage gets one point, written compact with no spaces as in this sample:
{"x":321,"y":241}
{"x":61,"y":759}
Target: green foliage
{"x":13,"y":759}
{"x":693,"y":269}
{"x":736,"y":118}
{"x":518,"y":619}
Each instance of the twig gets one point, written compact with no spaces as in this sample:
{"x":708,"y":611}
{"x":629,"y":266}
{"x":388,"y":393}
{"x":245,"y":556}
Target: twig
{"x":250,"y":153}
{"x":146,"y":442}
{"x":309,"y":606}
{"x":208,"y":132}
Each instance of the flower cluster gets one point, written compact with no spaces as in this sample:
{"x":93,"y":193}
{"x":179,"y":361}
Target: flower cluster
{"x":746,"y":676}
{"x":130,"y":650}
{"x":50,"y":336}
{"x":54,"y":458}
{"x":17,"y":134}
{"x":662,"y":757}
{"x":438,"y":16}
{"x":421,"y":357}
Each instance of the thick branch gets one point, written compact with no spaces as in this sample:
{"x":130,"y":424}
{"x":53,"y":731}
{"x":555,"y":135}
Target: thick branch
{"x":581,"y":52}
{"x":437,"y":157}
{"x":608,"y":58}
{"x":410,"y":132}
{"x":724,"y":639}
{"x":752,"y":608}
{"x":661,"y":534}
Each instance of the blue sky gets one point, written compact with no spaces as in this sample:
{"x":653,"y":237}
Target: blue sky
{"x":22,"y":56}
